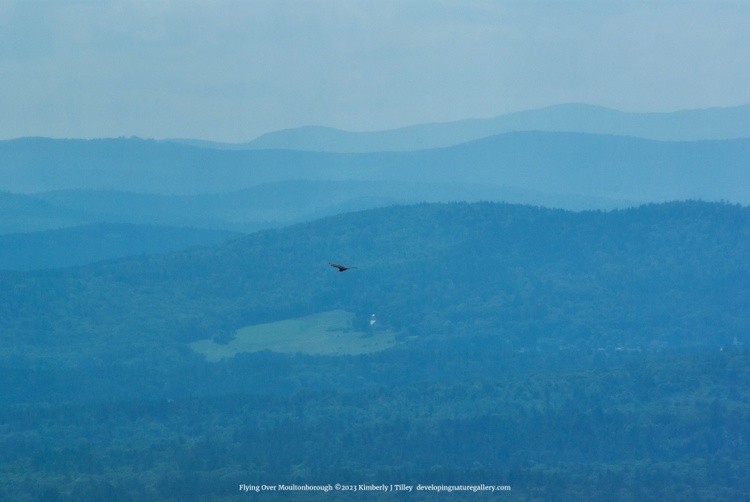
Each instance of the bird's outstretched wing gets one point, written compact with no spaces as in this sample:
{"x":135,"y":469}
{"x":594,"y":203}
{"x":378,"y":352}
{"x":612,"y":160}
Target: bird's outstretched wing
{"x":340,"y":267}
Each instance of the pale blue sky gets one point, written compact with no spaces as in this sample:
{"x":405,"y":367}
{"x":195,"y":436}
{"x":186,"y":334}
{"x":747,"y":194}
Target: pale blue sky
{"x":230,"y":70}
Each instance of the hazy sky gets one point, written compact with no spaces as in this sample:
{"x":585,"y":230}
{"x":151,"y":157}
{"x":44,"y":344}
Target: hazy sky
{"x":231,"y":70}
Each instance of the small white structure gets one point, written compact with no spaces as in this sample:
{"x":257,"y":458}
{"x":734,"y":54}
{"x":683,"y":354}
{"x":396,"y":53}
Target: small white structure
{"x":372,"y":320}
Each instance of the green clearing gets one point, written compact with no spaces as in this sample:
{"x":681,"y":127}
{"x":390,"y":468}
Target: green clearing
{"x":326,"y":333}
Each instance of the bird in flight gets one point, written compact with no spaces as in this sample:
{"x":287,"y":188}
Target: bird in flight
{"x":340,"y":267}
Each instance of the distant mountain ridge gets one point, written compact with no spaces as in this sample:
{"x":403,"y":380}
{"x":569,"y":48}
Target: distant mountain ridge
{"x":48,"y":184}
{"x":570,"y":164}
{"x":684,"y":125}
{"x":262,"y":206}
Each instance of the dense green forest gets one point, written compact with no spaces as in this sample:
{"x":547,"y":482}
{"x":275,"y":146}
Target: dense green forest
{"x":591,"y":355}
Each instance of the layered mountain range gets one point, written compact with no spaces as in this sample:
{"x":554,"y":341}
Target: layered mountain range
{"x":538,"y":306}
{"x":572,"y":156}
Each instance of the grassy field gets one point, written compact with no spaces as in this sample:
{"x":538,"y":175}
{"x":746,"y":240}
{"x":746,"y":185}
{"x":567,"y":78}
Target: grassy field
{"x":326,"y":333}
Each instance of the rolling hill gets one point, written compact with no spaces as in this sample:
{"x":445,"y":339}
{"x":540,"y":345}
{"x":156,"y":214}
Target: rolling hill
{"x":24,"y":213}
{"x":674,"y":274}
{"x":565,"y":164}
{"x":59,"y":228}
{"x":685,"y":125}
{"x":517,"y":345}
{"x":262,"y":206}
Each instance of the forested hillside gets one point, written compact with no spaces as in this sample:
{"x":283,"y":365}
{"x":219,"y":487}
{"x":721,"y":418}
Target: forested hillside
{"x":593,"y":355}
{"x":429,"y":270}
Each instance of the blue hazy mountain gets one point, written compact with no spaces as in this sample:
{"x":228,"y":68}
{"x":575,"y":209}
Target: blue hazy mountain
{"x":686,"y":125}
{"x":91,"y":243}
{"x":63,"y":228}
{"x":262,"y":206}
{"x":25,"y":213}
{"x":566,"y":164}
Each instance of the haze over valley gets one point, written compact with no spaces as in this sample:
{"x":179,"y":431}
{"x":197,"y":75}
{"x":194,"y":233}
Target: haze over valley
{"x":526,"y":251}
{"x":54,"y":184}
{"x":496,"y":249}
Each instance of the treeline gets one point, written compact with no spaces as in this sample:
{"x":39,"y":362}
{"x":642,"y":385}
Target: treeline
{"x":672,"y":426}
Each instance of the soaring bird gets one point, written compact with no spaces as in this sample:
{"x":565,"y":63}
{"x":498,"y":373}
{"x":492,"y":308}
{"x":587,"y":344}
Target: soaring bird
{"x":340,"y":267}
